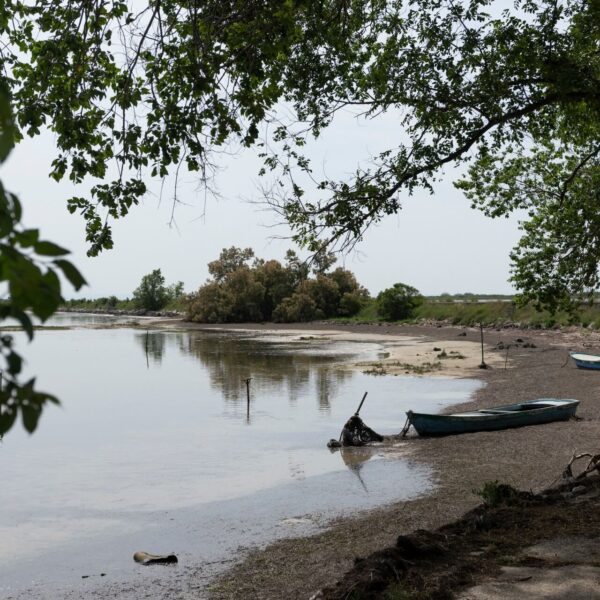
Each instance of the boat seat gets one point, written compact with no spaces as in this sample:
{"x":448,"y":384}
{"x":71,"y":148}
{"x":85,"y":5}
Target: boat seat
{"x":496,"y":412}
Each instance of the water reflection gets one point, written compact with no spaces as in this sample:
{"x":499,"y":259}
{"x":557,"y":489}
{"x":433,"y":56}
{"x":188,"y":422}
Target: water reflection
{"x":355,"y":458}
{"x":153,"y":345}
{"x":230,"y":359}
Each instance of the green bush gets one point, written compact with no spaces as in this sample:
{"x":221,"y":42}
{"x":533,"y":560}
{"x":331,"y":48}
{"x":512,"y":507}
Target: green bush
{"x":268,"y":290}
{"x":398,"y":302}
{"x":237,"y":299}
{"x":351,"y":304}
{"x":298,"y":308}
{"x":496,"y":494}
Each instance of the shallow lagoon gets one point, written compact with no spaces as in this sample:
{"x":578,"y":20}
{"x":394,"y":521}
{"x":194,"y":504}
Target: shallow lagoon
{"x":153,"y":449}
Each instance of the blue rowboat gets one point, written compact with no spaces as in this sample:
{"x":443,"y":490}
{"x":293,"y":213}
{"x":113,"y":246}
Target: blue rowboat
{"x":533,"y":412}
{"x":583,"y":360}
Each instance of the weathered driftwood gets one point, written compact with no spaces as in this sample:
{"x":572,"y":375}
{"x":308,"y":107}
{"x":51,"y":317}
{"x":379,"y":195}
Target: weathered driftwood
{"x":593,"y":465}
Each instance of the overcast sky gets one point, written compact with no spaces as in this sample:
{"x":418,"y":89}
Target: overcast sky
{"x":437,"y":244}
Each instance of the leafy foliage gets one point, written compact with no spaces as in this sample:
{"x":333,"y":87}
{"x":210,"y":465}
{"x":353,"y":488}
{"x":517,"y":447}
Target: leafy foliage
{"x":230,"y":260}
{"x":514,"y":94}
{"x":268,"y":290}
{"x":398,"y":302}
{"x":151,"y":91}
{"x":495,"y":494}
{"x":29,"y":267}
{"x":152,"y":294}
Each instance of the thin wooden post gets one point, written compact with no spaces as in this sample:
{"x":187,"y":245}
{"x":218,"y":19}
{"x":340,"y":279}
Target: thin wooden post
{"x":482,"y":365}
{"x":248,"y":380}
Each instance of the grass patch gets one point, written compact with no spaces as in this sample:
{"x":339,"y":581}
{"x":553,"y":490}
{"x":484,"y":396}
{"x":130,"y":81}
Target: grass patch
{"x":496,"y":494}
{"x":494,"y":312}
{"x":376,"y":369}
{"x":398,"y":591}
{"x":409,"y":369}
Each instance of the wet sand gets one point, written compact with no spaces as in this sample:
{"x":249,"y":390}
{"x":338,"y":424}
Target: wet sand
{"x":527,"y":458}
{"x":417,"y":351}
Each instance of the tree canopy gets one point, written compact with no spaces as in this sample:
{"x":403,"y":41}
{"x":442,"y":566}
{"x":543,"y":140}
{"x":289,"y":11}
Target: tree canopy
{"x":512,"y":90}
{"x":267,"y":290}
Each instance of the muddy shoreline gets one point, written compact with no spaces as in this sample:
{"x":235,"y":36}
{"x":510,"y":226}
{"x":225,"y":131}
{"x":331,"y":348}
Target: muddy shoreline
{"x":527,"y":458}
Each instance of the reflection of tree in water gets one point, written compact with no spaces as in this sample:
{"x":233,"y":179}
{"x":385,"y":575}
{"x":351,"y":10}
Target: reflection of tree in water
{"x":154,"y":343}
{"x":230,"y":359}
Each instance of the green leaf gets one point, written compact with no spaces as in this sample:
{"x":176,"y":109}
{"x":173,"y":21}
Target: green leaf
{"x":8,"y":414}
{"x":71,"y":273}
{"x":48,"y":297}
{"x":14,"y":363}
{"x":25,"y":321}
{"x":7,"y":128}
{"x":27,"y":238}
{"x":46,"y":248}
{"x":30,"y":414}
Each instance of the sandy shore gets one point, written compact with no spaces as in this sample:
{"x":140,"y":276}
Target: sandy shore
{"x":415,"y":353}
{"x":527,"y":458}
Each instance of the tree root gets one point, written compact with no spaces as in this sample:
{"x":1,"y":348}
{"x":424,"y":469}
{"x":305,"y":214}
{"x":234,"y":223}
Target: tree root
{"x":593,"y":465}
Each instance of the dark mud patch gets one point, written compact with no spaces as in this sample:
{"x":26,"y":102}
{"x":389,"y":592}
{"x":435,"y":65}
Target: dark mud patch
{"x":437,"y":565}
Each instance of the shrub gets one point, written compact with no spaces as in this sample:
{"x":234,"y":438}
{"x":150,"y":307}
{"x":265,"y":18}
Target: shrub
{"x":267,"y":290}
{"x":237,"y":299}
{"x":351,"y":303}
{"x":324,"y":292}
{"x":299,"y":307}
{"x":208,"y":305}
{"x":398,"y":302}
{"x":496,"y":494}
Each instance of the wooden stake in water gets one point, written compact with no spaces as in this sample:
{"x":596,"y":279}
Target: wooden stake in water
{"x":482,"y":365}
{"x":147,"y":361}
{"x":248,"y":380}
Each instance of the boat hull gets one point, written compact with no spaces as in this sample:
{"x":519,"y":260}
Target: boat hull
{"x":586,"y":361}
{"x":535,"y":412}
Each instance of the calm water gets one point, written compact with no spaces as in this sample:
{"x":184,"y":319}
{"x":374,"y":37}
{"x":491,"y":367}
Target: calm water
{"x":153,"y":449}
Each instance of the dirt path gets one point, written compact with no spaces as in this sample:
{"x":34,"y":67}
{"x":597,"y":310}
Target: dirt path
{"x":527,"y":458}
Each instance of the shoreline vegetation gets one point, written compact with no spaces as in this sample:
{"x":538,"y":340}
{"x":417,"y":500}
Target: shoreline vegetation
{"x":244,"y":288}
{"x":434,"y":311}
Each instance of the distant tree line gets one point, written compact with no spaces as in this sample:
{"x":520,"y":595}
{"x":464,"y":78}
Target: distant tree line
{"x":243,"y":287}
{"x":151,"y":294}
